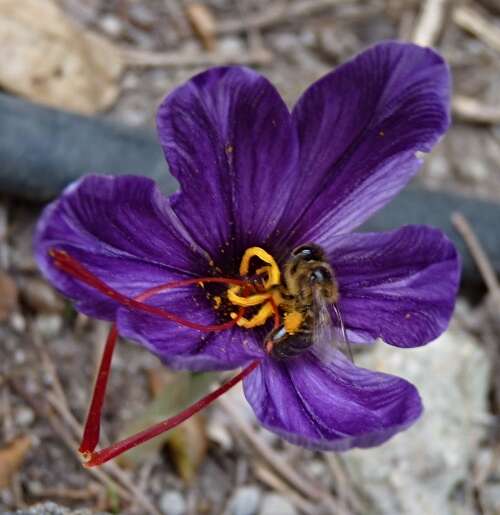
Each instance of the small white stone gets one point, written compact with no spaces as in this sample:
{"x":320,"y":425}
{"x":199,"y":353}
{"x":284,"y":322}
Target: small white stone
{"x":111,"y":25}
{"x":437,"y":167}
{"x":131,"y":81}
{"x":218,"y":433}
{"x":274,"y":504}
{"x":19,"y":357}
{"x":172,"y":503}
{"x":230,"y":45}
{"x":17,"y":322}
{"x":245,"y":501}
{"x":316,"y":469}
{"x":48,"y":325}
{"x":24,"y":416}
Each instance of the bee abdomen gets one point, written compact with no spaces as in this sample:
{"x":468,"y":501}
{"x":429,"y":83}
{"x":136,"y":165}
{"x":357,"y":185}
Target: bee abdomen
{"x":283,"y":345}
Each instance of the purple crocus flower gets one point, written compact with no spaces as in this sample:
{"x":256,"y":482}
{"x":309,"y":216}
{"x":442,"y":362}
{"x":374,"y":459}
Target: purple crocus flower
{"x":252,"y":174}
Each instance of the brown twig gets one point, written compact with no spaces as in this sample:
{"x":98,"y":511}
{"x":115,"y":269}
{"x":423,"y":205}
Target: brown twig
{"x":344,"y":489}
{"x":58,"y":402}
{"x":144,"y":59}
{"x":275,"y":14}
{"x":472,"y":110}
{"x":301,"y":483}
{"x":476,"y":249}
{"x":273,"y":481}
{"x":474,"y":22}
{"x":41,"y":411}
{"x":60,"y":405}
{"x":429,"y":23}
{"x":74,"y":494}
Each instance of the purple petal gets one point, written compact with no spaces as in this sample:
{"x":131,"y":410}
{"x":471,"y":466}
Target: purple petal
{"x":359,"y":128}
{"x":328,"y":403}
{"x":228,"y":138}
{"x":124,"y":231}
{"x":399,"y":286}
{"x":183,"y":348}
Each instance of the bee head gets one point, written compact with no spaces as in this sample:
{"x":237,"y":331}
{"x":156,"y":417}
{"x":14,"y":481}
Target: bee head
{"x":322,"y":280}
{"x":309,"y":252}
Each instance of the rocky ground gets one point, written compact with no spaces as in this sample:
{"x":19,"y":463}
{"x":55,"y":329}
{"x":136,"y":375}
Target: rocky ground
{"x":448,"y":463}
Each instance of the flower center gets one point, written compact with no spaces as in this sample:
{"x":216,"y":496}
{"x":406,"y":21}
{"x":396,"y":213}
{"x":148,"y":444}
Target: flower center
{"x":267,"y":285}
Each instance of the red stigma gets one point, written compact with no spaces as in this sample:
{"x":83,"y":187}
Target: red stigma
{"x":71,"y":266}
{"x":66,"y":263}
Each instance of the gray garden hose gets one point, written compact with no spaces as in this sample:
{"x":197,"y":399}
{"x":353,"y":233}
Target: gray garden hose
{"x":43,"y":149}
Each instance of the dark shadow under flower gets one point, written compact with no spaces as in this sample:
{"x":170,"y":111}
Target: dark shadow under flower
{"x":252,"y":174}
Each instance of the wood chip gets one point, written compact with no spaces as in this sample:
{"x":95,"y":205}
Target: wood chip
{"x":8,"y":296}
{"x":11,"y":459}
{"x":203,"y":22}
{"x":54,"y":62}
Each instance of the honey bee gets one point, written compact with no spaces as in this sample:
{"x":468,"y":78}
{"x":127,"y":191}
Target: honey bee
{"x":309,"y":291}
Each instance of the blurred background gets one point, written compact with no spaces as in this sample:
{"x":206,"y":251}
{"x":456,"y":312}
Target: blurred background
{"x":80,"y":81}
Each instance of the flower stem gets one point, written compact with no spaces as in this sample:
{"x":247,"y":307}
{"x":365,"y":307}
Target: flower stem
{"x":93,"y":459}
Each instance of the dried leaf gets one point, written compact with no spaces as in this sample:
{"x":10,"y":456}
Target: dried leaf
{"x":203,"y":22}
{"x":158,"y":379}
{"x":188,"y":442}
{"x":11,"y":459}
{"x":54,"y":62}
{"x":187,"y":446}
{"x":8,"y":296}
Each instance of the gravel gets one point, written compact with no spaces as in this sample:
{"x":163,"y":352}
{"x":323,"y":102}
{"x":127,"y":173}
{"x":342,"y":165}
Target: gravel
{"x":245,"y":501}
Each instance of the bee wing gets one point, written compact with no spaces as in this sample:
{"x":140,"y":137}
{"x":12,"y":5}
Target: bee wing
{"x":325,"y":331}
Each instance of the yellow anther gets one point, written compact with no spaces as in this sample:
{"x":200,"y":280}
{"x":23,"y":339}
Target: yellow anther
{"x":268,"y":283}
{"x":274,"y":274}
{"x":293,"y":321}
{"x":259,"y":318}
{"x":252,"y":300}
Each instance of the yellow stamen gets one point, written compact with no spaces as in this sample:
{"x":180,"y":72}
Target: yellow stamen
{"x":274,"y":273}
{"x":246,"y":302}
{"x":267,"y":270}
{"x":260,"y":318}
{"x":293,"y":321}
{"x":272,"y":279}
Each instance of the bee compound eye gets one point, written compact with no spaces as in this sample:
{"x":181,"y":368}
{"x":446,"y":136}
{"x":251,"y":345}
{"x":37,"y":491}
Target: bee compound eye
{"x":309,"y":252}
{"x":320,"y":275}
